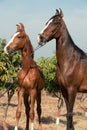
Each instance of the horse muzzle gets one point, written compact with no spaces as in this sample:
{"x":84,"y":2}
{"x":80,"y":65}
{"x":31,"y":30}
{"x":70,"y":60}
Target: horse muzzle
{"x":41,"y":40}
{"x":8,"y":50}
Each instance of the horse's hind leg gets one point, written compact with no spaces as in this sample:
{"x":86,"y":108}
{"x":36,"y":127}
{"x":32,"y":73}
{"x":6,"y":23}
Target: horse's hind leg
{"x":39,"y":109}
{"x":18,"y":112}
{"x":27,"y":109}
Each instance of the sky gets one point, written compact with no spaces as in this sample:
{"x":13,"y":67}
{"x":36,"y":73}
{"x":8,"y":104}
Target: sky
{"x":34,"y":14}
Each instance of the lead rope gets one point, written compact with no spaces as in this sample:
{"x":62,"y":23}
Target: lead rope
{"x":38,"y":47}
{"x":60,"y":104}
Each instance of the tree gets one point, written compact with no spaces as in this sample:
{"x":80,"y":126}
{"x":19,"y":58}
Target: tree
{"x":49,"y":69}
{"x":9,"y":66}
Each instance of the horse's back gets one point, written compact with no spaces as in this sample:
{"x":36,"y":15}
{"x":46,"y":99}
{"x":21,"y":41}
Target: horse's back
{"x":41,"y":80}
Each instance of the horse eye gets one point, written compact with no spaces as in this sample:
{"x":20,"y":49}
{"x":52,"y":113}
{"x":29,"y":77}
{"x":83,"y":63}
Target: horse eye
{"x":18,"y":36}
{"x":55,"y":22}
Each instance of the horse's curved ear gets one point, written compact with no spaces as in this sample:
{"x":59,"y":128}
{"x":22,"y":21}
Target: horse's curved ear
{"x":61,"y":13}
{"x":20,"y":27}
{"x":57,"y":12}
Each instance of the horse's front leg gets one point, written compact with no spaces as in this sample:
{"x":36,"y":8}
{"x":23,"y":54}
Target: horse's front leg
{"x":18,"y":111}
{"x":33,"y":94}
{"x":69,"y":97}
{"x":27,"y":109}
{"x":39,"y":109}
{"x":69,"y":117}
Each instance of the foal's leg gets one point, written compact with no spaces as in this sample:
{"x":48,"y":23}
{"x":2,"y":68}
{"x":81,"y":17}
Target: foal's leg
{"x":18,"y":111}
{"x":39,"y":109}
{"x":33,"y":94}
{"x":27,"y":109}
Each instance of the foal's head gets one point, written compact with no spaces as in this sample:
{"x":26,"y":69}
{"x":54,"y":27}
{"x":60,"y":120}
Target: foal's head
{"x":17,"y":41}
{"x":52,"y":28}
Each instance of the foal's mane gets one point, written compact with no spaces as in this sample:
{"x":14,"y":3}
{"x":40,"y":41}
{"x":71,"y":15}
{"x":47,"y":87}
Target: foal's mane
{"x":28,"y":46}
{"x":31,"y":48}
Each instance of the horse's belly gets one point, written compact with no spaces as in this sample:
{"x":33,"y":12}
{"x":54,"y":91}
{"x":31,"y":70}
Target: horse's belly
{"x":83,"y":86}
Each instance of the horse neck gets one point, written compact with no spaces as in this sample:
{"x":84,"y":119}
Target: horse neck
{"x":27,"y":54}
{"x":65,"y":48}
{"x":63,"y":41}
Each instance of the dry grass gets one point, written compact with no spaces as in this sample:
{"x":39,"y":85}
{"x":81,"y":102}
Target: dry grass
{"x":49,"y":110}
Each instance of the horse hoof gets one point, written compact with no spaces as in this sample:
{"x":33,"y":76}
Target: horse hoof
{"x":70,"y":129}
{"x":40,"y":127}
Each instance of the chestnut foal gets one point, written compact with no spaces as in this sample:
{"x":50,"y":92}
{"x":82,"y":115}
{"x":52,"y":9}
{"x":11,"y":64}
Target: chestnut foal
{"x":30,"y":77}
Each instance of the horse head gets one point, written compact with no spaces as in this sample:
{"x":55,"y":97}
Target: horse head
{"x":17,"y":41}
{"x":52,"y":28}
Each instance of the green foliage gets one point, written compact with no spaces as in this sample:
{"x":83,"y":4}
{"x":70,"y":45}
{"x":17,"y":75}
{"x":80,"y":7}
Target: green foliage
{"x":49,"y":69}
{"x":9,"y":66}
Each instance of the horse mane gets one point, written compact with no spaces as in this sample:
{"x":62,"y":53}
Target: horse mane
{"x":32,"y":50}
{"x":52,"y":18}
{"x":76,"y":48}
{"x":30,"y":47}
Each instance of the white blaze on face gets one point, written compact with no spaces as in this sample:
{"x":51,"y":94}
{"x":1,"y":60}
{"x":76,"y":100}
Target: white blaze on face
{"x":38,"y":38}
{"x":50,"y":21}
{"x":5,"y":48}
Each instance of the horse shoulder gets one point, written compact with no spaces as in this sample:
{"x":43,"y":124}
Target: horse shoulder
{"x":59,"y":76}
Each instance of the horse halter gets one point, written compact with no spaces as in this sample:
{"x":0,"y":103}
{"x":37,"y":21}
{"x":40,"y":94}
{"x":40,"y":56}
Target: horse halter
{"x":56,"y":27}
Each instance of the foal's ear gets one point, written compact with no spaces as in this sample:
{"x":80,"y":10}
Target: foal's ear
{"x":20,"y":27}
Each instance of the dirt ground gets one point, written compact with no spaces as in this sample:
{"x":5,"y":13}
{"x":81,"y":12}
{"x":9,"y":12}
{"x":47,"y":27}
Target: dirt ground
{"x":49,"y":116}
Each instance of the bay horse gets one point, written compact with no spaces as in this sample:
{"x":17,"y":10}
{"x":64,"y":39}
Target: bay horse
{"x":30,"y":77}
{"x":71,"y":71}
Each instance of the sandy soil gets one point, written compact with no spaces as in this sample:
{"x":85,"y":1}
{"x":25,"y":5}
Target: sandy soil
{"x":49,"y":116}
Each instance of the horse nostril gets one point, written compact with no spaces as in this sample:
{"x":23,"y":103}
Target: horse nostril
{"x":40,"y":36}
{"x":9,"y":50}
{"x":6,"y":50}
{"x":41,"y":39}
